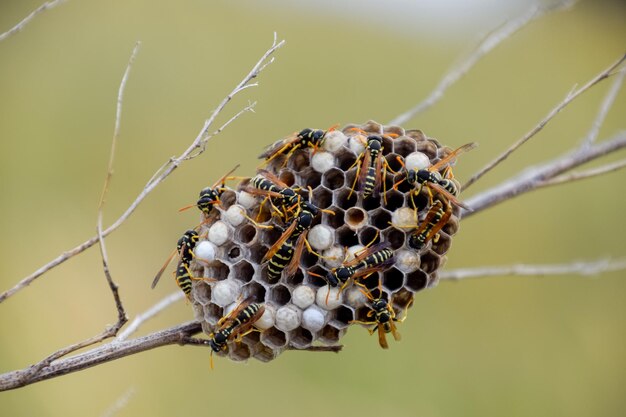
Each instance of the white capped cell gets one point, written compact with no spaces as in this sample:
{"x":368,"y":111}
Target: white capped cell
{"x":303,"y":296}
{"x":235,"y":215}
{"x":225,"y":292}
{"x":322,"y":161}
{"x":416,"y":161}
{"x":329,"y":298}
{"x":288,"y":318}
{"x":219,"y":233}
{"x":355,"y":297}
{"x":313,"y":318}
{"x":247,"y":200}
{"x":321,"y":237}
{"x":205,"y":252}
{"x":267,"y":319}
{"x":407,"y":260}
{"x":404,"y":218}
{"x":333,"y":256}
{"x":333,"y":141}
{"x":357,"y":143}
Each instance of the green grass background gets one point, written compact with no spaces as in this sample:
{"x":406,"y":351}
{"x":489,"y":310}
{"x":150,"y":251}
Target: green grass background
{"x":486,"y":347}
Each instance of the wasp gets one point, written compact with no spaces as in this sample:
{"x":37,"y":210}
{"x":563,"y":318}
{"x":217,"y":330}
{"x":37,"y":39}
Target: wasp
{"x":235,"y":325}
{"x":210,"y":196}
{"x":368,"y":261}
{"x":277,"y":192}
{"x":431,"y":177}
{"x":184,"y":249}
{"x":436,"y":218}
{"x":184,"y":278}
{"x":384,"y":317}
{"x":286,"y":252}
{"x":373,"y":168}
{"x":306,"y":138}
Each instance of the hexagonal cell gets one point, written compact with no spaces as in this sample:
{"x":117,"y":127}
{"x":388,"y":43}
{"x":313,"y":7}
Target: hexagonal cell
{"x":394,"y":131}
{"x":404,"y":146}
{"x":234,"y":253}
{"x":218,"y":270}
{"x":322,"y":197}
{"x":402,"y":299}
{"x":254,"y":290}
{"x":252,"y":338}
{"x":371,"y":202}
{"x":427,"y":147}
{"x":310,"y":178}
{"x":381,"y":219}
{"x":299,"y":160}
{"x":343,"y":316}
{"x":416,"y":280}
{"x":335,"y":220}
{"x":300,"y":338}
{"x":387,"y":145}
{"x":420,"y":201}
{"x":371,"y":282}
{"x":393,"y":279}
{"x":415,"y":134}
{"x":356,"y":217}
{"x":442,"y":245}
{"x":280,"y":295}
{"x":345,"y":161}
{"x":430,"y":262}
{"x":238,"y":351}
{"x":257,"y":253}
{"x":315,"y":280}
{"x":201,"y":292}
{"x":287,"y":176}
{"x":346,"y":236}
{"x":369,"y":236}
{"x":362,"y":314}
{"x":270,"y":236}
{"x":274,"y":338}
{"x":452,"y":226}
{"x":345,"y":199}
{"x":246,"y":234}
{"x":330,"y":335}
{"x":212,"y":314}
{"x":227,"y":199}
{"x":333,"y":179}
{"x":296,"y":278}
{"x":308,"y":259}
{"x":265,"y":353}
{"x":393,"y":200}
{"x":395,"y":237}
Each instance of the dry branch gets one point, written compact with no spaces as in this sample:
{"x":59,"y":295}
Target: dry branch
{"x":196,"y":146}
{"x":46,"y":6}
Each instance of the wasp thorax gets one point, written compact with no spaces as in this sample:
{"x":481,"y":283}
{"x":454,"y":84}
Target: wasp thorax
{"x":315,"y":198}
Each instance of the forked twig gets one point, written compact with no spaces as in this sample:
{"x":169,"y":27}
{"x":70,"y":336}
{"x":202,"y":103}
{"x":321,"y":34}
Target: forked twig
{"x":490,"y":41}
{"x":46,"y":6}
{"x":568,"y":99}
{"x":164,"y":172}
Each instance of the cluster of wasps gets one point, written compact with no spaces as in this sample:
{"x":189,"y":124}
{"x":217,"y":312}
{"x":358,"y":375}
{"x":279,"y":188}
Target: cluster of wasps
{"x":292,"y":211}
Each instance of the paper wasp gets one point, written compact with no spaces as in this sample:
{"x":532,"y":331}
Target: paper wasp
{"x":434,"y":180}
{"x":235,"y":325}
{"x":384,"y":317}
{"x":285,"y":253}
{"x":210,"y":196}
{"x":373,"y":168}
{"x":436,"y":218}
{"x":306,"y":138}
{"x":368,"y":261}
{"x":277,"y":192}
{"x":184,"y":249}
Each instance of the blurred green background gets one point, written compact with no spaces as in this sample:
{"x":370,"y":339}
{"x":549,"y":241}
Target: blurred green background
{"x":485,"y":347}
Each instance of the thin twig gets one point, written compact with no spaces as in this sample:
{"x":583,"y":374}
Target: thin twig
{"x":120,"y":403}
{"x":534,"y":177}
{"x":46,"y":6}
{"x":607,"y":103}
{"x":102,"y":354}
{"x":576,"y":176}
{"x":577,"y":268}
{"x":488,"y":43}
{"x":149,"y":313}
{"x":568,"y":99}
{"x":166,"y":170}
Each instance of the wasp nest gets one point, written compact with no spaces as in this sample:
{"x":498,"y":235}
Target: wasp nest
{"x":302,"y":310}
